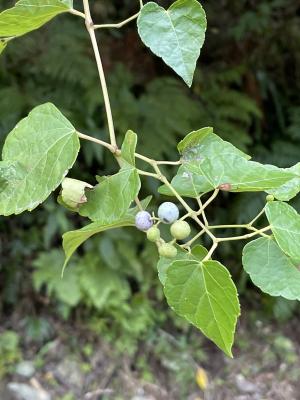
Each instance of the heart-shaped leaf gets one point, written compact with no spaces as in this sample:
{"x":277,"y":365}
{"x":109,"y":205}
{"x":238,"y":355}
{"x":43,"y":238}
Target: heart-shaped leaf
{"x":198,"y":253}
{"x":176,"y":35}
{"x":285,"y":225}
{"x":204,"y":294}
{"x":270,"y":269}
{"x":37,"y":155}
{"x":28,"y":15}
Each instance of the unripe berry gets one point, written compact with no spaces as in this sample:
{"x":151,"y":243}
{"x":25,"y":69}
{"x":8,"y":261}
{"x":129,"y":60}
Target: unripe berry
{"x":153,"y":234}
{"x":167,"y":250}
{"x":143,"y":221}
{"x":180,"y":230}
{"x":168,"y":212}
{"x":270,"y":197}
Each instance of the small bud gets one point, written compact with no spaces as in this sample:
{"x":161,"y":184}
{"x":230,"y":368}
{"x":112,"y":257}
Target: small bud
{"x":270,"y":197}
{"x":226,"y":187}
{"x":73,"y":193}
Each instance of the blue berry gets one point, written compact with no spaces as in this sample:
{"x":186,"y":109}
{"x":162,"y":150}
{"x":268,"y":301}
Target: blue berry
{"x":143,"y":221}
{"x":168,"y":212}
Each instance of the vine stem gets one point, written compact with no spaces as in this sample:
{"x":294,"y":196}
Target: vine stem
{"x":188,"y":244}
{"x":247,"y":236}
{"x":211,"y":251}
{"x":78,"y":13}
{"x":119,"y":24}
{"x":98,"y":141}
{"x":91,"y":30}
{"x":257,"y":217}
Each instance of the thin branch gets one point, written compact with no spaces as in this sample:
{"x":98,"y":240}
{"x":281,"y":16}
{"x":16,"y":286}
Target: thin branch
{"x":118,"y":25}
{"x":169,"y":162}
{"x":212,"y":197}
{"x":211,"y":251}
{"x":247,"y":236}
{"x":188,"y":244}
{"x":145,"y":173}
{"x":78,"y":13}
{"x":258,"y":216}
{"x":98,"y":141}
{"x":91,"y":31}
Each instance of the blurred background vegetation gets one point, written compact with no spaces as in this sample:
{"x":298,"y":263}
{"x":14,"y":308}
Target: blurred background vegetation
{"x":247,"y":86}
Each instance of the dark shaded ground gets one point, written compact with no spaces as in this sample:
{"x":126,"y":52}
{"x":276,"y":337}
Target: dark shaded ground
{"x":76,"y":364}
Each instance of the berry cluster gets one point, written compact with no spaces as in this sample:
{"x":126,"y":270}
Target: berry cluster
{"x":168,"y":213}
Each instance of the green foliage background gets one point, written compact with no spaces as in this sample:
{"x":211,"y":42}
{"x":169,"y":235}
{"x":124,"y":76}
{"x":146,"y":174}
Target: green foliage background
{"x":246,"y":86}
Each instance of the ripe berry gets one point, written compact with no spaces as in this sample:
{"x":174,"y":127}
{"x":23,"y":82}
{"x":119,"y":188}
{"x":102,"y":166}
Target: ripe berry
{"x":143,"y":221}
{"x":168,"y":212}
{"x":167,"y":250}
{"x":180,"y":230}
{"x":270,"y":197}
{"x":153,"y":234}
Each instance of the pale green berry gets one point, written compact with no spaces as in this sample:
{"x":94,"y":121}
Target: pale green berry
{"x":153,"y":234}
{"x":180,"y":230}
{"x":270,"y":197}
{"x":167,"y":250}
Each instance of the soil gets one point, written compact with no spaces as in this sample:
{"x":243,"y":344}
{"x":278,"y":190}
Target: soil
{"x":75,"y":364}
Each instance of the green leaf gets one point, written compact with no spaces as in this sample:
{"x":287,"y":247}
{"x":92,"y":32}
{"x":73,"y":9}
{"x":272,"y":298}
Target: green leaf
{"x":207,"y":155}
{"x":73,"y":239}
{"x":28,"y":15}
{"x":41,"y":149}
{"x":206,"y":140}
{"x":285,"y":225}
{"x":289,"y":189}
{"x":198,"y":253}
{"x":271,"y":270}
{"x":128,"y":147}
{"x":204,"y":294}
{"x":111,"y":198}
{"x":48,"y":272}
{"x":187,"y":184}
{"x":176,"y":35}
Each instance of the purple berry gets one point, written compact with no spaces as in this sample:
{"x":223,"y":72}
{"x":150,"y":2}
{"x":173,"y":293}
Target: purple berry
{"x":143,"y":221}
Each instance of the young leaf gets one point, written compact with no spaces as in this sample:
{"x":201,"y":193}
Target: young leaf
{"x":205,"y":295}
{"x":111,"y":198}
{"x":285,"y":225}
{"x":289,"y":189}
{"x":41,"y":148}
{"x":198,"y":253}
{"x":270,"y":269}
{"x":73,"y":239}
{"x":176,"y":35}
{"x":207,"y":155}
{"x":28,"y":15}
{"x":128,"y":147}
